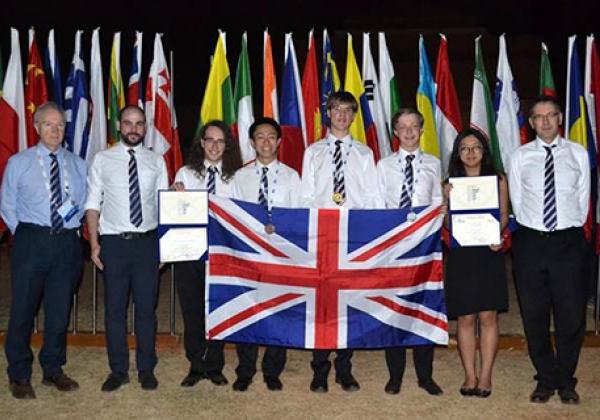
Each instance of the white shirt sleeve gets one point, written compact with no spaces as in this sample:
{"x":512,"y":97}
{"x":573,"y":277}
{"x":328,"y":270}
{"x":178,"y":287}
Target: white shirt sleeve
{"x":95,"y":185}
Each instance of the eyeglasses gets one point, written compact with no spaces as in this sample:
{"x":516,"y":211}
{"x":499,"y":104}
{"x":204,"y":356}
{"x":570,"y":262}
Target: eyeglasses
{"x":543,"y":117}
{"x":210,"y":141}
{"x":463,"y":150}
{"x":49,"y":126}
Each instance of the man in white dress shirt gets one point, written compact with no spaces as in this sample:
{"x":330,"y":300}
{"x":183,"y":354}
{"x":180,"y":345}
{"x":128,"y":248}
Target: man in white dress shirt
{"x":410,"y":178}
{"x":338,"y":171}
{"x":549,"y":182}
{"x":122,"y":217}
{"x":269,"y":182}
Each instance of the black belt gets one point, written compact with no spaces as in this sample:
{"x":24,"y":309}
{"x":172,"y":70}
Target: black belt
{"x":134,"y":235}
{"x":549,"y":234}
{"x":45,"y":229}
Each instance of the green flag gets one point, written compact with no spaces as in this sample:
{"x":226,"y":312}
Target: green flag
{"x":242,"y":98}
{"x":547,"y":87}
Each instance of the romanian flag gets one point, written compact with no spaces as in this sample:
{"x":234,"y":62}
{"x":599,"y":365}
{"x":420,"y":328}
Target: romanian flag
{"x":330,"y":81}
{"x":135,"y":96}
{"x":36,"y":92}
{"x":363,"y":128}
{"x":426,"y":103}
{"x":217,"y":103}
{"x":116,"y":91}
{"x":310,"y":93}
{"x":270,"y":107}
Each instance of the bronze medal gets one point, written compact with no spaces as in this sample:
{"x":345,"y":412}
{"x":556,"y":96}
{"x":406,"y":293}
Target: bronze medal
{"x":270,"y":228}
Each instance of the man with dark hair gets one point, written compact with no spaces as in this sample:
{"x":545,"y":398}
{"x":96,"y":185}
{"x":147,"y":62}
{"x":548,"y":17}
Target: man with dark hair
{"x":42,"y":198}
{"x":122,"y":217}
{"x":549,"y":182}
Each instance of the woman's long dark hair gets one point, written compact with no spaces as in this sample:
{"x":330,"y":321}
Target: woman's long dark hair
{"x":456,"y":166}
{"x":231,"y":160}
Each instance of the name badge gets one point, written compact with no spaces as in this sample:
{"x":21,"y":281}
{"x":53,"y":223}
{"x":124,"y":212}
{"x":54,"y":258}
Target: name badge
{"x":67,"y":210}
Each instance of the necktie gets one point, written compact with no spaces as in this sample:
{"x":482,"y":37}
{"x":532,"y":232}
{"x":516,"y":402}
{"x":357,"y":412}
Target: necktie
{"x":135,"y":202}
{"x":339,"y":189}
{"x":407,"y":187}
{"x":55,"y":195}
{"x":211,"y":186}
{"x":550,"y":220}
{"x":263,"y":189}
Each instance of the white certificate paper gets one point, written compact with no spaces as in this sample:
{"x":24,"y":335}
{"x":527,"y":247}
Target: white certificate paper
{"x":480,"y":229}
{"x":183,"y":208}
{"x":474,"y":193}
{"x":183,"y":244}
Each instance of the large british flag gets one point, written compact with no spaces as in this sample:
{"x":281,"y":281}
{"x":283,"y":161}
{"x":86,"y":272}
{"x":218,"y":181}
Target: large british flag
{"x":326,"y":279}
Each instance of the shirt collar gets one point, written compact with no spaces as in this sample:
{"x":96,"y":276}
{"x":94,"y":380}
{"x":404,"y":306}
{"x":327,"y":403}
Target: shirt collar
{"x":44,"y":151}
{"x":403,"y":153}
{"x":271,"y":165}
{"x":127,"y":148}
{"x":346,"y":140}
{"x":558,"y":142}
{"x":208,"y":164}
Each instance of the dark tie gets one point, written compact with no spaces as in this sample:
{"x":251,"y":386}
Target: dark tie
{"x":338,"y":173}
{"x":211,"y":185}
{"x":550,"y":220}
{"x":407,"y":187}
{"x":135,"y":202}
{"x":55,"y":195}
{"x":263,"y":190}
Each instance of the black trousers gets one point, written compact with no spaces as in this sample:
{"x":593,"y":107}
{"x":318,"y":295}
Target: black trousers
{"x":273,"y":360}
{"x":549,"y":277}
{"x":395,"y":358}
{"x":321,"y":365}
{"x":43,"y":266}
{"x":205,"y":356}
{"x":130,"y":266}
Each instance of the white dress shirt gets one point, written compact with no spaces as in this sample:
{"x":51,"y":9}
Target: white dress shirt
{"x":360,"y":175}
{"x":284,"y":184}
{"x":193,"y":181}
{"x":427,"y":176}
{"x":108,"y":188}
{"x":571,"y":180}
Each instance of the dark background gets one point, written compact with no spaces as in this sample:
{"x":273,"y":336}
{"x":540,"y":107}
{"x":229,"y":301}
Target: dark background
{"x":190,"y":30}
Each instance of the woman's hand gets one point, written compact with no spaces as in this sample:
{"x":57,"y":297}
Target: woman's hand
{"x":178,"y":186}
{"x":496,"y":247}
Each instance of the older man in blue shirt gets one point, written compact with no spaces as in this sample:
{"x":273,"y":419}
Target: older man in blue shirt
{"x":41,"y":202}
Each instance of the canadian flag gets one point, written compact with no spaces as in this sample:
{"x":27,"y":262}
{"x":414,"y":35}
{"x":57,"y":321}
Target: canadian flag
{"x":162,"y":135}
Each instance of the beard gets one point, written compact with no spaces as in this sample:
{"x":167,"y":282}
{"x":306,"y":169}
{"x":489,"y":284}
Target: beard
{"x":132,"y":139}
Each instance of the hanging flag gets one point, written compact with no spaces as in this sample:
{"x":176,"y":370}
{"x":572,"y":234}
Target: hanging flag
{"x":374,"y":99}
{"x":388,"y":85}
{"x":36,"y":92}
{"x":426,"y":103}
{"x":77,"y":103}
{"x":217,"y":103}
{"x":135,"y":95}
{"x":362,"y":128}
{"x":310,"y":92}
{"x":98,"y":135}
{"x":592,"y":88}
{"x":162,"y":135}
{"x":291,"y":111}
{"x":577,"y":124}
{"x":510,"y":121}
{"x":52,"y":67}
{"x":482,"y":110}
{"x":447,"y":112}
{"x":330,"y":81}
{"x":243,"y":100}
{"x":546,"y":80}
{"x":116,"y":91}
{"x":270,"y":107}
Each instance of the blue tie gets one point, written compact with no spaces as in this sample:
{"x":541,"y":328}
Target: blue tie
{"x":135,"y":202}
{"x":55,"y":195}
{"x":550,"y":220}
{"x":338,"y":173}
{"x":263,"y":190}
{"x":211,"y":185}
{"x":407,"y":187}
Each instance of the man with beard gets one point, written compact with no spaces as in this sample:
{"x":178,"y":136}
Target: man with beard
{"x":122,"y":218}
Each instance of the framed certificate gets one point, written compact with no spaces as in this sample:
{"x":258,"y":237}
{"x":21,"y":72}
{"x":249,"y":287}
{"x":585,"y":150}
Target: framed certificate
{"x":474,"y":211}
{"x":183,"y":225}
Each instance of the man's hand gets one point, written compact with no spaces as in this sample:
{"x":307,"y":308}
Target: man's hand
{"x":95,"y":255}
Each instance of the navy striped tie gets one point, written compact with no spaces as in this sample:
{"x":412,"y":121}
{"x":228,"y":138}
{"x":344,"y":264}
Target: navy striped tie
{"x":550,"y":220}
{"x":135,"y":202}
{"x":338,"y":173}
{"x":263,"y":190}
{"x":211,"y":185}
{"x":407,"y":187}
{"x":55,"y":195}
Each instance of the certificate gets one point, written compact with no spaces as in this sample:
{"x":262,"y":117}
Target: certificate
{"x":183,"y":244}
{"x":477,"y":229}
{"x":474,"y":193}
{"x":183,"y":208}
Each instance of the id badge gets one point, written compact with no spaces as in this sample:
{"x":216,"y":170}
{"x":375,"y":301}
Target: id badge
{"x":67,"y":210}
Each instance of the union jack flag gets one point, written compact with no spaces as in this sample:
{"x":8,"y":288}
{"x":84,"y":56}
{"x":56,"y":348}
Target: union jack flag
{"x":326,"y":279}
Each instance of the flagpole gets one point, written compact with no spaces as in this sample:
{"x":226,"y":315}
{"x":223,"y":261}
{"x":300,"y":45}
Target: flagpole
{"x":172,"y":266}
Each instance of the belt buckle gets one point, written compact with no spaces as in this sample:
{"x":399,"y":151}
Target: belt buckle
{"x":126,"y":235}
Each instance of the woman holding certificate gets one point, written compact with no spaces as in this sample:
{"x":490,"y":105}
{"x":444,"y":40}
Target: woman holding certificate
{"x":475,"y":275}
{"x":212,"y":162}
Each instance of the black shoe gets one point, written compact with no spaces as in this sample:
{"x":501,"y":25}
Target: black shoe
{"x":273,"y":384}
{"x":148,"y":381}
{"x":62,"y":382}
{"x":241,"y":384}
{"x":319,"y":385}
{"x":192,"y":379}
{"x":541,"y":394}
{"x":217,"y":378}
{"x":568,"y":396}
{"x":431,"y":387}
{"x":347,"y":382}
{"x":482,"y":393}
{"x":467,"y":392}
{"x":114,"y":382}
{"x":393,"y":387}
{"x":21,"y":390}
